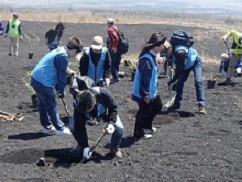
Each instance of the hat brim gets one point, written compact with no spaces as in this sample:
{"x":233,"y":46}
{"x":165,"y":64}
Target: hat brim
{"x":98,"y":47}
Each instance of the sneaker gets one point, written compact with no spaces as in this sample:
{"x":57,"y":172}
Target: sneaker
{"x":154,"y":129}
{"x":65,"y":131}
{"x":10,"y":54}
{"x":50,"y":131}
{"x":116,"y":152}
{"x":225,"y":82}
{"x":114,"y":81}
{"x":173,"y":107}
{"x":146,"y":136}
{"x":202,"y":110}
{"x":16,"y":55}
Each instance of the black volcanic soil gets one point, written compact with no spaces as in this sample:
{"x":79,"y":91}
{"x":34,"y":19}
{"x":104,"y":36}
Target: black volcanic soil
{"x":187,"y":147}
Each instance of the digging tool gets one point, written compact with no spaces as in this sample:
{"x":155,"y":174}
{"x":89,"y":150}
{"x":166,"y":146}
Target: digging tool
{"x":11,"y":117}
{"x":96,"y":144}
{"x":226,"y":46}
{"x":66,"y":109}
{"x":169,"y":99}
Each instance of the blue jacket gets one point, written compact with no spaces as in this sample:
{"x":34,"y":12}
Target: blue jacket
{"x":51,"y":70}
{"x":96,"y":71}
{"x":146,"y":78}
{"x":1,"y":28}
{"x":191,"y":56}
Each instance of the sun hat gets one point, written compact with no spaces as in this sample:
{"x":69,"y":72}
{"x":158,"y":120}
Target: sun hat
{"x":97,"y":42}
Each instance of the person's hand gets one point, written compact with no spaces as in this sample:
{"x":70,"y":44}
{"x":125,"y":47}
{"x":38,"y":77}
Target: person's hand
{"x":5,"y":35}
{"x":109,"y":129}
{"x":169,"y":83}
{"x":224,"y":39}
{"x":87,"y":153}
{"x":71,"y":72}
{"x":114,"y":50}
{"x":147,"y":99}
{"x":21,"y":38}
{"x":107,"y":80}
{"x":61,"y":95}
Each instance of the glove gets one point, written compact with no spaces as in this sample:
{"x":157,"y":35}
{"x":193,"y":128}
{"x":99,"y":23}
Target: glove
{"x":107,"y":80}
{"x":61,"y":95}
{"x":21,"y":38}
{"x":71,"y":72}
{"x":87,"y":153}
{"x":224,"y":38}
{"x":109,"y":129}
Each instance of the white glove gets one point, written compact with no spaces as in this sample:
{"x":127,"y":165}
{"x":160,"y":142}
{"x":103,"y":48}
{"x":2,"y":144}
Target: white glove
{"x":21,"y":38}
{"x":71,"y":72}
{"x":107,"y":80}
{"x":86,"y":153}
{"x":224,"y":38}
{"x":109,"y":129}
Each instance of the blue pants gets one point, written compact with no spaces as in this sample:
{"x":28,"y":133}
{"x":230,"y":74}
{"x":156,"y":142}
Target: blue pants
{"x":47,"y":107}
{"x":200,"y":93}
{"x":116,"y":58}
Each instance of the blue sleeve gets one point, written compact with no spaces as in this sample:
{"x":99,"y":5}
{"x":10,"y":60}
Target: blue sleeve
{"x":221,"y":66}
{"x":145,"y":70}
{"x":61,"y":63}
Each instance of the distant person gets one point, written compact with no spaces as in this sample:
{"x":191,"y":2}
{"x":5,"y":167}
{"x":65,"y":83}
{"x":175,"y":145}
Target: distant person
{"x":1,"y":28}
{"x":113,"y":48}
{"x":54,"y":35}
{"x":50,"y":73}
{"x":145,"y":85}
{"x":235,"y":51}
{"x":14,"y":32}
{"x":96,"y":62}
{"x":186,"y":59}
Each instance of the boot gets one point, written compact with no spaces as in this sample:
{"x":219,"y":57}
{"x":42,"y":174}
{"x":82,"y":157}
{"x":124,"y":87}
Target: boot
{"x":225,"y":82}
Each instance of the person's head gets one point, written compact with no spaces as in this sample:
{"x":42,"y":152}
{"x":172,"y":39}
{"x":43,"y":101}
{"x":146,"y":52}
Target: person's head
{"x":224,"y":56}
{"x":15,"y":16}
{"x":97,"y":44}
{"x":86,"y":101}
{"x":74,"y":46}
{"x":156,"y":42}
{"x":110,"y":22}
{"x":59,"y":27}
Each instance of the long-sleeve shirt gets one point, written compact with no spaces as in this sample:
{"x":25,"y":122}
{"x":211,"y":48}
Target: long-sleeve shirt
{"x":113,"y":35}
{"x":237,"y":41}
{"x":84,"y":63}
{"x":19,"y":29}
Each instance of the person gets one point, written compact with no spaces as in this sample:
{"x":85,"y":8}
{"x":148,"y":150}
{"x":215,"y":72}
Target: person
{"x":1,"y":28}
{"x":144,"y":90}
{"x":186,"y":59}
{"x":96,"y":62}
{"x":235,"y":51}
{"x":54,"y":35}
{"x":50,"y":72}
{"x":95,"y":103}
{"x":14,"y":32}
{"x":113,"y":32}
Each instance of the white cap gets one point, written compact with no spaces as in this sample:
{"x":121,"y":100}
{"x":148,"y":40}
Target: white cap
{"x":97,"y":42}
{"x":110,"y":20}
{"x":224,"y":55}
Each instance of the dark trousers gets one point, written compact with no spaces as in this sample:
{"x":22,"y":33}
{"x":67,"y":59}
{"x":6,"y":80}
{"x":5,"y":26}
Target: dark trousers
{"x":116,"y":58}
{"x":146,"y":115}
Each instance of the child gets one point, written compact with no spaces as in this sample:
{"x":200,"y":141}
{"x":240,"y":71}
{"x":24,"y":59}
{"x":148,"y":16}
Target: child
{"x":145,"y":86}
{"x":96,"y":102}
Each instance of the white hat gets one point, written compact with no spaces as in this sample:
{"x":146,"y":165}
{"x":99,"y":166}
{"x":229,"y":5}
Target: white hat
{"x":224,"y":55}
{"x":97,"y":42}
{"x":110,"y":20}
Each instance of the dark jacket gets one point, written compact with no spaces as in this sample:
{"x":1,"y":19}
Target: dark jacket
{"x":58,"y":31}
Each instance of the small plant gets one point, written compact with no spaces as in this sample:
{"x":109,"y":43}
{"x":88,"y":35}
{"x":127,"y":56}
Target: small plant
{"x":33,"y":41}
{"x":26,"y":80}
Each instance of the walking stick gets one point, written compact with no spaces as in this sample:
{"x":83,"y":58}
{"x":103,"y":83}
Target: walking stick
{"x":226,"y":44}
{"x":64,"y":103}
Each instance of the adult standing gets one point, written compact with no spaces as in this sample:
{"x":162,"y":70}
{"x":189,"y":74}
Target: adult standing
{"x":113,"y":32}
{"x":50,"y":73}
{"x":235,"y":53}
{"x":14,"y":32}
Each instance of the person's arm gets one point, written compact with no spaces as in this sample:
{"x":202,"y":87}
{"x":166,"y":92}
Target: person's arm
{"x":7,"y":28}
{"x":231,"y":33}
{"x":113,"y":34}
{"x":108,"y":100}
{"x":83,"y":65}
{"x":145,"y":70}
{"x":107,"y":66}
{"x":20,"y":30}
{"x":61,"y":62}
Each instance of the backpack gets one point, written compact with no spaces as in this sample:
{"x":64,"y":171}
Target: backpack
{"x":181,"y":37}
{"x":123,"y":43}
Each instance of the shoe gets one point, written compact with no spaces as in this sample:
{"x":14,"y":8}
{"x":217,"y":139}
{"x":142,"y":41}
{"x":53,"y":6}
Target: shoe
{"x":114,"y":81}
{"x":225,"y":82}
{"x":173,"y":107}
{"x":202,"y":110}
{"x":16,"y":55}
{"x":10,"y":54}
{"x":50,"y":131}
{"x":154,"y":129}
{"x":65,"y":131}
{"x":146,"y":136}
{"x":116,"y":152}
